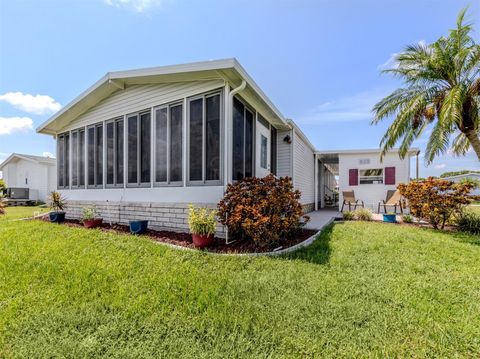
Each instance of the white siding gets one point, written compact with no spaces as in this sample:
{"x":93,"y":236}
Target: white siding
{"x":141,"y":97}
{"x":284,"y":154}
{"x":304,"y":170}
{"x":34,"y":176}
{"x":371,"y":194}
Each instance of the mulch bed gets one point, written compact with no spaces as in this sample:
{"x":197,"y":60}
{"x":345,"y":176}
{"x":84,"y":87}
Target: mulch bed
{"x":218,"y":245}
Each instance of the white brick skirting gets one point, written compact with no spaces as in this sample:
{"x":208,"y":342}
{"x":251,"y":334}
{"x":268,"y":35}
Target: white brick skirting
{"x":161,"y":216}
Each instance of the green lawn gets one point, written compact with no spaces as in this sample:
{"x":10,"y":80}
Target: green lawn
{"x":361,"y":290}
{"x":22,"y":212}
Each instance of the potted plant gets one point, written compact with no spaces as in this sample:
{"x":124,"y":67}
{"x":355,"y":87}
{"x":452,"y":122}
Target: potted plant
{"x":201,"y":223}
{"x":57,"y":203}
{"x":390,"y":217}
{"x":90,"y":219}
{"x":138,"y":226}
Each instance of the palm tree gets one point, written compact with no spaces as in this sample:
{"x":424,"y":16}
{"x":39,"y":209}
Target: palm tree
{"x":442,"y":88}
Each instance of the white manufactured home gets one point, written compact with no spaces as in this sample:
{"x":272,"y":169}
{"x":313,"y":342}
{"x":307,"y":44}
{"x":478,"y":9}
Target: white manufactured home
{"x":146,"y":143}
{"x":472,"y":176}
{"x":37,"y":173}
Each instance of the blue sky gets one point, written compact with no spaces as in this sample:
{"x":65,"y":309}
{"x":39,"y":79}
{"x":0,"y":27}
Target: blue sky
{"x":318,"y":61}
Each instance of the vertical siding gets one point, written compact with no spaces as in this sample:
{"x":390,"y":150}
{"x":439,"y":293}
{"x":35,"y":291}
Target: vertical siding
{"x":284,"y":155}
{"x":304,"y":170}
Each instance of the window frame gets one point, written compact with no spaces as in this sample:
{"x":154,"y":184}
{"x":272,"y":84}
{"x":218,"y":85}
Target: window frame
{"x":203,"y":181}
{"x":66,"y":164}
{"x":79,"y":132}
{"x":96,"y":185}
{"x":247,"y":107}
{"x":153,"y":173}
{"x":360,"y":177}
{"x":139,"y":183}
{"x":116,"y":135}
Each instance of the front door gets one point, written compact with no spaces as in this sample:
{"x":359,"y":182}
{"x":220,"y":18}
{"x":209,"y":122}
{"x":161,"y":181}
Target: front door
{"x":262,"y":150}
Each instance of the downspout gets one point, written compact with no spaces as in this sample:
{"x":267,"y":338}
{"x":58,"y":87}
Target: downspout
{"x":228,"y":138}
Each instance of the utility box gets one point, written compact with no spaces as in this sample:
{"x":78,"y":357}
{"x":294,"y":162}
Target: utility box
{"x":17,"y":193}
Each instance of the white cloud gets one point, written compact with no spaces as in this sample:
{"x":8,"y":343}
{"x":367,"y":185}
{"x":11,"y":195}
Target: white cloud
{"x":135,"y":5}
{"x":357,"y":107}
{"x":38,"y":104}
{"x":440,"y":166}
{"x":48,"y":154}
{"x":9,"y":125}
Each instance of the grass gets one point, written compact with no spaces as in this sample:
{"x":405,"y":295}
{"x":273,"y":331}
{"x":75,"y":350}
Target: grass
{"x":361,"y":290}
{"x":22,"y":212}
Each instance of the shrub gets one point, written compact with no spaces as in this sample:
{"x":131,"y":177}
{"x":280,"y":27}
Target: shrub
{"x":264,"y":210}
{"x":469,"y":222}
{"x":2,"y":204}
{"x":436,"y":200}
{"x":201,"y":221}
{"x":89,"y":213}
{"x":3,"y":187}
{"x":407,"y":218}
{"x":348,"y":216}
{"x":363,"y":214}
{"x":56,"y":201}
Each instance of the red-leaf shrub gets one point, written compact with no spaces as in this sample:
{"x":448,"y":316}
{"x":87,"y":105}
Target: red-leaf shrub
{"x":436,"y":200}
{"x":261,"y":209}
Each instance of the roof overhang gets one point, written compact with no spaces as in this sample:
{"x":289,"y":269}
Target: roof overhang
{"x":19,"y":156}
{"x":228,"y":70}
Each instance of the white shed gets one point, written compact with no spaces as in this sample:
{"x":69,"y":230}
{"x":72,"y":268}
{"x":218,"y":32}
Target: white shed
{"x":36,"y":173}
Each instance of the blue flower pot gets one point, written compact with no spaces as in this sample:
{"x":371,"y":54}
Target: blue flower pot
{"x":390,"y":218}
{"x":57,"y":217}
{"x":138,"y":227}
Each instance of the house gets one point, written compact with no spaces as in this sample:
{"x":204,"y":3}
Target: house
{"x":145,"y":143}
{"x":362,"y":171}
{"x":467,"y":176}
{"x":36,"y":173}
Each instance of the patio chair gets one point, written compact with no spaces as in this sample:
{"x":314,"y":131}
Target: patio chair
{"x":349,"y":199}
{"x":394,"y":199}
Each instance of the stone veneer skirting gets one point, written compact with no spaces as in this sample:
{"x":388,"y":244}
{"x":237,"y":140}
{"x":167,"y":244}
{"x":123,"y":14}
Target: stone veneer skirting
{"x":310,"y":207}
{"x":161,"y":216}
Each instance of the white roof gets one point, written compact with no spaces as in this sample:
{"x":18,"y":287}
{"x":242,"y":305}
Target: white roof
{"x":229,"y":70}
{"x":412,"y":151}
{"x":465,"y":175}
{"x":30,"y":158}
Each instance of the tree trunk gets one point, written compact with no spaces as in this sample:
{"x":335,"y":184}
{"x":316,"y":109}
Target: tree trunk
{"x":474,"y":141}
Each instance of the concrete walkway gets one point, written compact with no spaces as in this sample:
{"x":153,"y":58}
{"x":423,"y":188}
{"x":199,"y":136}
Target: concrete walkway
{"x":321,"y":217}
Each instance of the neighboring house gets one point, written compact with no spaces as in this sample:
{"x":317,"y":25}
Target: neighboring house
{"x":470,"y":176}
{"x":145,"y":143}
{"x":36,"y":173}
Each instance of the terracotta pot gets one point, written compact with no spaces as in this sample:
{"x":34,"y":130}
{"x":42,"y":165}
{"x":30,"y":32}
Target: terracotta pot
{"x":93,"y":223}
{"x":202,"y":241}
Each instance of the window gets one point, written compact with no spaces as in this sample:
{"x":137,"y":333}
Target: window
{"x":139,"y":134}
{"x":243,"y":127}
{"x":273,"y":150}
{"x":204,"y":139}
{"x":263,"y":152}
{"x":169,"y":144}
{"x":95,"y":155}
{"x":114,"y":148}
{"x":371,"y":176}
{"x":364,"y":161}
{"x":78,"y":158}
{"x":63,"y":142}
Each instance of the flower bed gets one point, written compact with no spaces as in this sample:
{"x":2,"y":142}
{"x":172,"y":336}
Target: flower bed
{"x":218,"y":245}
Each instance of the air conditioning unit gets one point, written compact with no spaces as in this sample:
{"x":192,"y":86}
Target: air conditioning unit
{"x":17,"y":193}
